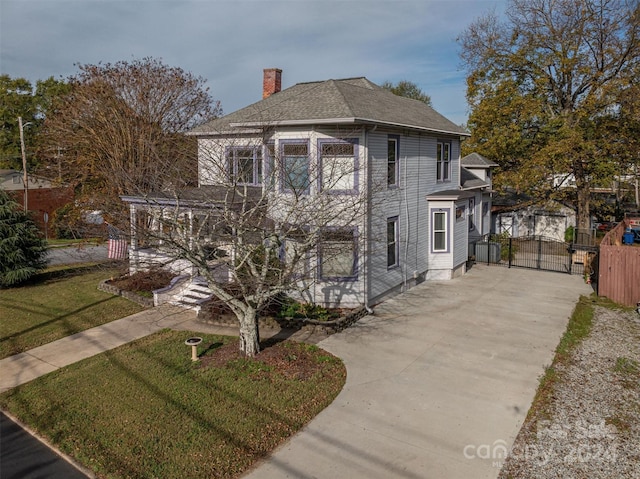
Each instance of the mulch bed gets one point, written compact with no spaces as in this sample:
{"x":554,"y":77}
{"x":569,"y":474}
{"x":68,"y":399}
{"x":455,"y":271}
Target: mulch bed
{"x":290,"y":359}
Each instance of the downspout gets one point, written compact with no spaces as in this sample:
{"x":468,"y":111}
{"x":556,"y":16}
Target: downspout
{"x":418,"y":196}
{"x":367,"y":226}
{"x":407,"y":227}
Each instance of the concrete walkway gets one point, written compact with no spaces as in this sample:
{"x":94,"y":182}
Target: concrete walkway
{"x":24,"y":367}
{"x":439,"y":381}
{"x":440,"y":378}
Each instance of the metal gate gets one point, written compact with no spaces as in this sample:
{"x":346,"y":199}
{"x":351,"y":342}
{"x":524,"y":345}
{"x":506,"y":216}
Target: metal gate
{"x":537,"y":252}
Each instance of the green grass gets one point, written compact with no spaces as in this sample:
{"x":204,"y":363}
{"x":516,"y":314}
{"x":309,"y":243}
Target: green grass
{"x":59,"y":302}
{"x":628,"y":370}
{"x":59,"y":243}
{"x":146,"y":410}
{"x":578,"y":328}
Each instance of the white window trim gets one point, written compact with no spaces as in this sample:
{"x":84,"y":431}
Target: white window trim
{"x":446,"y":231}
{"x":396,"y":242}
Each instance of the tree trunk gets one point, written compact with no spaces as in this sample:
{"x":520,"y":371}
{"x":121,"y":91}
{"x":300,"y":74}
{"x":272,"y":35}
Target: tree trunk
{"x":584,"y":210}
{"x":249,"y":334}
{"x":583,"y":193}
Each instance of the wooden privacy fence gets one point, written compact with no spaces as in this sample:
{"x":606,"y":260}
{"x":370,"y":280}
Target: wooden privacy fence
{"x":619,"y":268}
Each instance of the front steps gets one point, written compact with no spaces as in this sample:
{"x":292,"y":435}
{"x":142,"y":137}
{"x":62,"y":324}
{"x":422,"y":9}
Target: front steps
{"x":185,"y":291}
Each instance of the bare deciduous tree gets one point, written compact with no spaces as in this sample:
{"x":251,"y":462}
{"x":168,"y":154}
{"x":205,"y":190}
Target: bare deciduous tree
{"x":269,"y":218}
{"x":113,"y":132}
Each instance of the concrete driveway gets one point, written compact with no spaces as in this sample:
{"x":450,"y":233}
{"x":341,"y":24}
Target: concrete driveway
{"x":439,"y":380}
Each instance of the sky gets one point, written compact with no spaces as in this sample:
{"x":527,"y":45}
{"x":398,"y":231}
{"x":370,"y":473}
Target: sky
{"x":229,"y":43}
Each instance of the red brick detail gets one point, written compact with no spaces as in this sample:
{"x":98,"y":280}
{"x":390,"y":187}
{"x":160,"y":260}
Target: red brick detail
{"x":271,"y":81}
{"x":44,"y":200}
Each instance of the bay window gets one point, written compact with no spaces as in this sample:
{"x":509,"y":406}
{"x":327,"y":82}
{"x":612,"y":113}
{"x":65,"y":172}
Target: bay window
{"x":338,"y":165}
{"x":439,"y":231}
{"x":245,"y":165}
{"x":338,"y":254}
{"x":295,"y":166}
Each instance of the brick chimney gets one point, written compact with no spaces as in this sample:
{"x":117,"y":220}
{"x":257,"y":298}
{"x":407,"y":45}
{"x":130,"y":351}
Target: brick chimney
{"x":271,"y":81}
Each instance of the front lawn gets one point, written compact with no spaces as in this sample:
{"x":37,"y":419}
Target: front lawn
{"x":55,"y":304}
{"x":146,"y":410}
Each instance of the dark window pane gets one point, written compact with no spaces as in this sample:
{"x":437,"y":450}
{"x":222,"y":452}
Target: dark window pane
{"x":391,"y":162}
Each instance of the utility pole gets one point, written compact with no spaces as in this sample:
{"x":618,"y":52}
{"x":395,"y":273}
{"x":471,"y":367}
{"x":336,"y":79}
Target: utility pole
{"x":25,"y":178}
{"x":636,"y":181}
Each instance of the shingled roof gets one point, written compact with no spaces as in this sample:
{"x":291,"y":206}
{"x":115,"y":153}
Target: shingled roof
{"x":335,"y":102}
{"x":469,"y":181}
{"x":475,"y":160}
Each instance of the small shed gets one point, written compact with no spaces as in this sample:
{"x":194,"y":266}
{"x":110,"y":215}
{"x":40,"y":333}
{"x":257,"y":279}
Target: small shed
{"x":519,"y":215}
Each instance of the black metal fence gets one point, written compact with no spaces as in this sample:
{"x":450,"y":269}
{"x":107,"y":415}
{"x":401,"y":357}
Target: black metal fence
{"x":535,"y":252}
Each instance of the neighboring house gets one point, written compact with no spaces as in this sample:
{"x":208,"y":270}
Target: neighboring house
{"x":475,"y":175}
{"x":519,"y":216}
{"x":422,"y":207}
{"x":44,"y":196}
{"x":13,"y":180}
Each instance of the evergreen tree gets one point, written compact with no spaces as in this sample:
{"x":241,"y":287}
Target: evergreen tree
{"x":23,"y":251}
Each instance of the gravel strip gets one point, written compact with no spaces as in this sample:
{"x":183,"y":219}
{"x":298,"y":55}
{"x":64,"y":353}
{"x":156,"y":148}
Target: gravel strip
{"x":593,"y":428}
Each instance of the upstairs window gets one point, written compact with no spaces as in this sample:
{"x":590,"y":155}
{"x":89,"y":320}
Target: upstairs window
{"x":245,"y":165}
{"x":443,"y":162}
{"x":270,"y":166}
{"x":392,"y":161}
{"x":295,"y":167}
{"x":338,"y":165}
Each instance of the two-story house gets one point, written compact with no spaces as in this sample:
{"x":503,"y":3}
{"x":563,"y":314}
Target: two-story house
{"x":352,"y":139}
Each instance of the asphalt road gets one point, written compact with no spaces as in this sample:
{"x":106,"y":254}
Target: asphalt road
{"x":77,"y":254}
{"x":22,"y":456}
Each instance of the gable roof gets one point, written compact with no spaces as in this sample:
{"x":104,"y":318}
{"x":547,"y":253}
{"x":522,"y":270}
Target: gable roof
{"x":346,"y":101}
{"x":510,"y":200}
{"x":475,"y":160}
{"x":470,"y":181}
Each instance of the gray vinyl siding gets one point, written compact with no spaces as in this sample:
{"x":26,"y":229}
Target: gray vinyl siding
{"x":407,"y":202}
{"x":460,"y":237}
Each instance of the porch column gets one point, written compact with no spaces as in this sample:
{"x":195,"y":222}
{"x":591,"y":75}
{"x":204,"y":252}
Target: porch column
{"x":133,"y":219}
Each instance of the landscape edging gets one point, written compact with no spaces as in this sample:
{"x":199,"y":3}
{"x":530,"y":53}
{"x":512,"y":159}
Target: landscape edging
{"x":136,"y":298}
{"x":328,"y":327}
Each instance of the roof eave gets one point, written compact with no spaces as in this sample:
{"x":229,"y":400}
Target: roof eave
{"x":477,"y":187}
{"x":449,"y":195}
{"x":347,"y":120}
{"x":173,"y":201}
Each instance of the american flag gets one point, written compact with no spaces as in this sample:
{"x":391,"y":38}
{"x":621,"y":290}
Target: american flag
{"x":117,"y":247}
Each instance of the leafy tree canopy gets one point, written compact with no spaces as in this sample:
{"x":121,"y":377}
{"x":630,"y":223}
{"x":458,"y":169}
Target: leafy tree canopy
{"x":18,"y":98}
{"x":547,"y":91}
{"x":407,"y":89}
